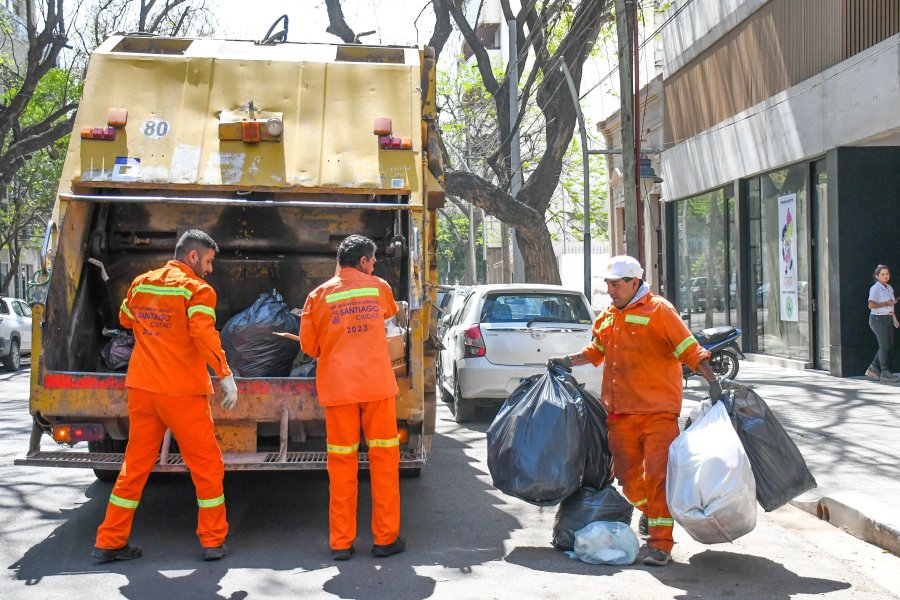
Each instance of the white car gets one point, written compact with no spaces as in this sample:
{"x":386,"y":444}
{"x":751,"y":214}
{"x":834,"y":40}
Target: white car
{"x":505,"y":333}
{"x":15,"y":332}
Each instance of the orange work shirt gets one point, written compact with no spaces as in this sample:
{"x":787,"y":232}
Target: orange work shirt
{"x":643,"y":345}
{"x":342,"y":324}
{"x":173,"y":315}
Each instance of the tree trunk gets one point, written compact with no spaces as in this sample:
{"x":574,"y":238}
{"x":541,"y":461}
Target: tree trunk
{"x":469,"y":278}
{"x":537,"y":254}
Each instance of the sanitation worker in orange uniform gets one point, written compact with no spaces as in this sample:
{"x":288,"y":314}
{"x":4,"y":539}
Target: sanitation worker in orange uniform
{"x":172,"y":311}
{"x":642,"y":340}
{"x":343,"y":325}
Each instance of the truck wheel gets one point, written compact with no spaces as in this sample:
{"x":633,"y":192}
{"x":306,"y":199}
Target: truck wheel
{"x":13,"y":360}
{"x":463,"y":410}
{"x":107,"y":444}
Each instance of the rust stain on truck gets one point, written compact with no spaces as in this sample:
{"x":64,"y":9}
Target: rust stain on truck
{"x":271,"y":150}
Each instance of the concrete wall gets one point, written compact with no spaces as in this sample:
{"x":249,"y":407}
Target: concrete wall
{"x":854,"y":103}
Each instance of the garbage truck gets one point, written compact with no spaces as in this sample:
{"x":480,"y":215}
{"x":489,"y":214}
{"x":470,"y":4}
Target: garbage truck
{"x":277,"y":150}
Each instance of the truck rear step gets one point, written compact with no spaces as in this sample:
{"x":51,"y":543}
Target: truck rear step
{"x":256,"y":461}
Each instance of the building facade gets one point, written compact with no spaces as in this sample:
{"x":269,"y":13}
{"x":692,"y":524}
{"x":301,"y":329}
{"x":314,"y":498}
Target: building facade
{"x":781,"y":169}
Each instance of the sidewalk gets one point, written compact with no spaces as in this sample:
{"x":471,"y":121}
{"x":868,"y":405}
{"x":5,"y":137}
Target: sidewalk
{"x":848,"y":430}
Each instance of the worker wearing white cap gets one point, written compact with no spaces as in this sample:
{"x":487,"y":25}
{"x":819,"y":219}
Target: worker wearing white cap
{"x":642,"y":341}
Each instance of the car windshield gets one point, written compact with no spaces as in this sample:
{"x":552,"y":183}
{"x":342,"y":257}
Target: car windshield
{"x":534,"y":306}
{"x":4,"y":309}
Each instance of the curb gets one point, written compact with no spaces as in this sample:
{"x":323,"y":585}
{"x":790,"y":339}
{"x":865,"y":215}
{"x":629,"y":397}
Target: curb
{"x":855,"y":515}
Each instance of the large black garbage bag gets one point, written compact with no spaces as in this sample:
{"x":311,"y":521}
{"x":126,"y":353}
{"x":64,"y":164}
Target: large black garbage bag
{"x":250,"y":347}
{"x":598,"y":467}
{"x":116,"y":353}
{"x":780,"y":471}
{"x":585,"y":506}
{"x":536,"y":446}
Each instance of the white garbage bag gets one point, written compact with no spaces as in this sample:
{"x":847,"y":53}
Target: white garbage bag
{"x":710,"y":487}
{"x":605,"y":543}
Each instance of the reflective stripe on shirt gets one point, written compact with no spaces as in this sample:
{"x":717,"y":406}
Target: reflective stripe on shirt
{"x":200,"y":308}
{"x":684,"y":345}
{"x":126,"y":311}
{"x":160,"y":290}
{"x":357,"y":293}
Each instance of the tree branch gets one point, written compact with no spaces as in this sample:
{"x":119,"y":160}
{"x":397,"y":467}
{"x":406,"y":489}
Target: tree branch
{"x":336,"y":23}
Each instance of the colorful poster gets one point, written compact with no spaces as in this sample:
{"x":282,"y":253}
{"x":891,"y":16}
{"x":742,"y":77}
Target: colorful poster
{"x":787,"y":265}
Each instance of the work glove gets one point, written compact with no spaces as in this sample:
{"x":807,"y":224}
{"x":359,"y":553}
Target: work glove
{"x":715,"y":391}
{"x":229,"y":389}
{"x":560,"y":362}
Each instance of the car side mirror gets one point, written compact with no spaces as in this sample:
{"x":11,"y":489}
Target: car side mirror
{"x":685,"y":316}
{"x":446,"y":320}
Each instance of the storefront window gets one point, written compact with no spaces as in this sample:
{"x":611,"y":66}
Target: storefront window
{"x":705,"y":287}
{"x":779,"y":265}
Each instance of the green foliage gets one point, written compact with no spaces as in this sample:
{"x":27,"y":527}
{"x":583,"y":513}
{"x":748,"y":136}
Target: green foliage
{"x":453,"y":236}
{"x":566,"y":213}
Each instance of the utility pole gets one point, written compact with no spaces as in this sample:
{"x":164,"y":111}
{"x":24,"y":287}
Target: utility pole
{"x":586,"y":181}
{"x":625,"y":33}
{"x":515,"y":159}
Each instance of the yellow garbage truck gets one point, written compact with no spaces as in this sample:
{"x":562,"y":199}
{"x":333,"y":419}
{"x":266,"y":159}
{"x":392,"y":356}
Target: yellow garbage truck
{"x":278,"y":151}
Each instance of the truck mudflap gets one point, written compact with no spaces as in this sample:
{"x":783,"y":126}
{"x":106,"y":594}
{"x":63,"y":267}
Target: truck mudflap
{"x":174,"y":463}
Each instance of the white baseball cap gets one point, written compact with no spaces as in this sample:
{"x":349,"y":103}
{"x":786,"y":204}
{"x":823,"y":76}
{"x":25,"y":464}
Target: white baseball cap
{"x":623,"y":266}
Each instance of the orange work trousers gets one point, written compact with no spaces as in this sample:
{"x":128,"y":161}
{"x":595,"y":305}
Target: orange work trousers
{"x":640,"y":449}
{"x":379,"y":424}
{"x":191,"y":423}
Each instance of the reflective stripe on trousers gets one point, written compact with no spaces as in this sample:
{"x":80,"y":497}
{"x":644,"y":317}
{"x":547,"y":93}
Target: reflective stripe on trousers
{"x":379,"y":423}
{"x":640,"y":450}
{"x":191,"y":423}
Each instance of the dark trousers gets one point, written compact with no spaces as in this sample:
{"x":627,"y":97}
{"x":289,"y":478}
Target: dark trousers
{"x":883,"y":327}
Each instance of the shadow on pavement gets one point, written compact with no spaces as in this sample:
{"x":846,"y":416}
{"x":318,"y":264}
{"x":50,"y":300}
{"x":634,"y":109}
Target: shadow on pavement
{"x":278,"y":521}
{"x":738,"y":576}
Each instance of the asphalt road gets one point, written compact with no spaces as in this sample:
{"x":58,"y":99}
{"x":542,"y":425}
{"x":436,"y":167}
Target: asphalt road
{"x":465,"y":540}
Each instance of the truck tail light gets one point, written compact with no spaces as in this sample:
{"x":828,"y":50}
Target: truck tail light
{"x":473,"y":343}
{"x":71,"y":433}
{"x":382,"y":126}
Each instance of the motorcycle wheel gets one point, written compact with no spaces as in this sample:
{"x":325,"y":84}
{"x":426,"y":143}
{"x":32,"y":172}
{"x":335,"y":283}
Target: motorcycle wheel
{"x":725,"y":363}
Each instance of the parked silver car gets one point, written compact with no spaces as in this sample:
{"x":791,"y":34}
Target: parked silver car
{"x":449,"y":304}
{"x":505,"y":333}
{"x":15,"y":332}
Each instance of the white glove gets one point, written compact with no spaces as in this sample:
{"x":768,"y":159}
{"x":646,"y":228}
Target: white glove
{"x":229,"y":389}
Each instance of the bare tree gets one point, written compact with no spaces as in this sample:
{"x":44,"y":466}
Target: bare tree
{"x":548,"y":34}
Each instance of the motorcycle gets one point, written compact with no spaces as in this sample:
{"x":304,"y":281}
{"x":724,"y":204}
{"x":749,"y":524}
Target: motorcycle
{"x":721,"y":342}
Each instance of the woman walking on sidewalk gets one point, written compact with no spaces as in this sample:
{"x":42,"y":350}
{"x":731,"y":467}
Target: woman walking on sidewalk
{"x":883,"y":321}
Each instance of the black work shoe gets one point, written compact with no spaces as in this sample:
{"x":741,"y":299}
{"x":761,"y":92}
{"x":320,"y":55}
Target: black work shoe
{"x":395,"y":547}
{"x":656,"y":557}
{"x":643,"y":526}
{"x":343,"y":554}
{"x":126,"y":552}
{"x":215,"y":552}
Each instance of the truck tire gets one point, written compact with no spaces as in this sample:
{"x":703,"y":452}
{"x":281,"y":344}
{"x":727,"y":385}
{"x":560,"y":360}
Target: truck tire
{"x":107,"y":444}
{"x":13,"y":360}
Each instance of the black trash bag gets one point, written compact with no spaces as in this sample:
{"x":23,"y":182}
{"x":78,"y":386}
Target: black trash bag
{"x":305,"y":370}
{"x":536,"y":446}
{"x":598,"y":466}
{"x":585,"y":506}
{"x":250,"y":347}
{"x":780,"y":471}
{"x":116,"y":353}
